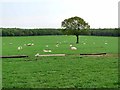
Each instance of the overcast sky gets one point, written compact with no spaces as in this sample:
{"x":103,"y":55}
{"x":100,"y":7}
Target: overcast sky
{"x":50,"y":13}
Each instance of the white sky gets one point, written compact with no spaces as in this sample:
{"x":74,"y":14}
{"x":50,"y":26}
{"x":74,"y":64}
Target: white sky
{"x":50,"y":13}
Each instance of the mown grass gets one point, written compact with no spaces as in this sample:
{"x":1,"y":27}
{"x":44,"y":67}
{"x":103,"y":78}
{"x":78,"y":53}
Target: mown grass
{"x":60,"y":72}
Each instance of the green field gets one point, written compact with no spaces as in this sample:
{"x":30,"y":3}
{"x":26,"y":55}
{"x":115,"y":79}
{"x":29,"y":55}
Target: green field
{"x":71,"y":71}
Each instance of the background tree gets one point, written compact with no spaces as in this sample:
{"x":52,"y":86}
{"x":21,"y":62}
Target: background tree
{"x":75,"y":26}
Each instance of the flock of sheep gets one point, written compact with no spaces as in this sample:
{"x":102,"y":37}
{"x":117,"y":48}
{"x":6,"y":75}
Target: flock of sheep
{"x":49,"y":50}
{"x":46,"y":50}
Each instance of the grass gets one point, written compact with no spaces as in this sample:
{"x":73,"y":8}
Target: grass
{"x":60,"y":72}
{"x":0,"y":63}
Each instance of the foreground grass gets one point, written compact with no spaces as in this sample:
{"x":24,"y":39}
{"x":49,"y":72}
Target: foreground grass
{"x":60,"y":72}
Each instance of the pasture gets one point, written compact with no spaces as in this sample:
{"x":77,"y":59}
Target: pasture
{"x":71,"y":71}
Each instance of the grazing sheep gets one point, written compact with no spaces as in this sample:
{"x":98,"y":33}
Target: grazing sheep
{"x":30,"y":44}
{"x":70,"y":45}
{"x":20,"y":47}
{"x":73,"y":48}
{"x":47,"y":50}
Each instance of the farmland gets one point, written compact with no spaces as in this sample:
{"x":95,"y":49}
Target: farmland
{"x":71,"y":71}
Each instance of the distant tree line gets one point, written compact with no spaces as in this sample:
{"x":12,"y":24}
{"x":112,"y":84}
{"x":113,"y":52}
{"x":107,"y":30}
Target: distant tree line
{"x":105,"y":32}
{"x":29,"y":32}
{"x":39,"y":32}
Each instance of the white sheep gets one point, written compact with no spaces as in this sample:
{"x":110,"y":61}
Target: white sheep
{"x":106,"y":43}
{"x":73,"y":48}
{"x":70,"y":45}
{"x":20,"y":47}
{"x":47,"y":50}
{"x":29,"y":44}
{"x":32,"y":44}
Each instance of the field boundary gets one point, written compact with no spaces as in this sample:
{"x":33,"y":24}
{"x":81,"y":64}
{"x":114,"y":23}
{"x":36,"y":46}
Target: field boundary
{"x":47,"y":55}
{"x":14,"y":56}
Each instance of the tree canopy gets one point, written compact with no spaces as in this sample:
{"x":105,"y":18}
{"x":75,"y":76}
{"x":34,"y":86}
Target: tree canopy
{"x":75,"y":26}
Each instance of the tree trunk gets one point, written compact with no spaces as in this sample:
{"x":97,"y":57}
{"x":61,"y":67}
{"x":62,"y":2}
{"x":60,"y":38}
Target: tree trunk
{"x":77,"y":39}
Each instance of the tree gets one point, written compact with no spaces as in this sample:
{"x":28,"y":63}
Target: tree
{"x":75,"y":26}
